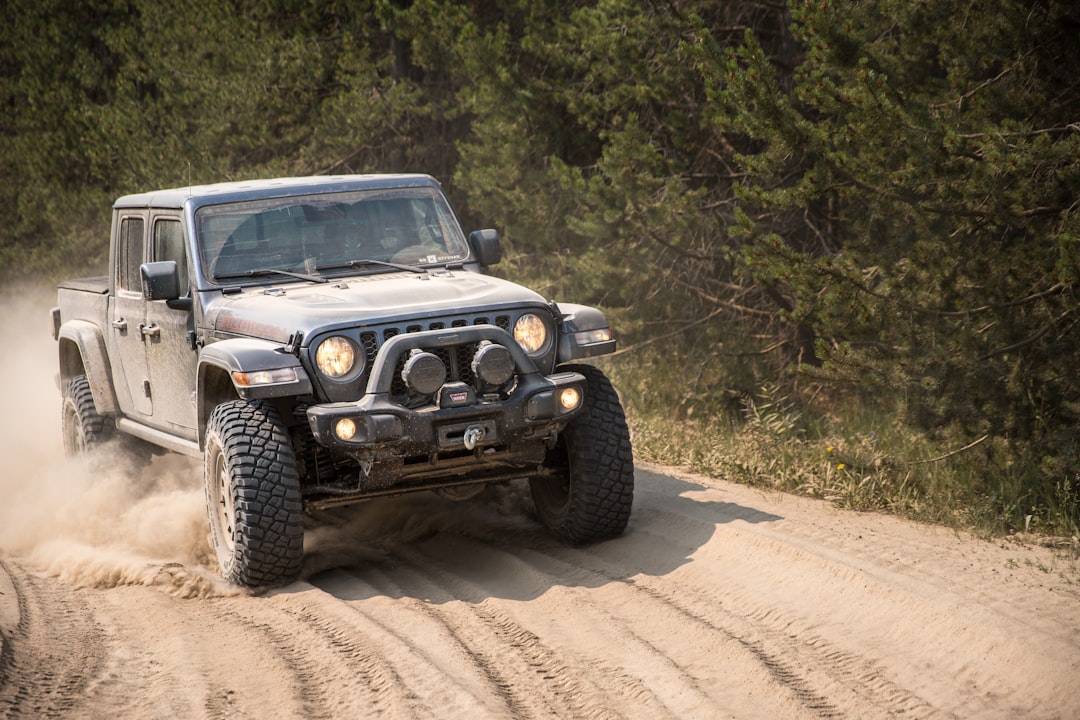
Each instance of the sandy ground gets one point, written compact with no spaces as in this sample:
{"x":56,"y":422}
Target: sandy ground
{"x":720,"y":601}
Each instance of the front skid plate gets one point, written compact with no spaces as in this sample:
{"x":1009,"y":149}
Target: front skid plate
{"x":321,"y":497}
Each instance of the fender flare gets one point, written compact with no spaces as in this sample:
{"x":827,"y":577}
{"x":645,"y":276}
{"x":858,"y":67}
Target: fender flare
{"x":249,"y":355}
{"x":245,"y":355}
{"x":578,"y":325}
{"x":92,"y":360}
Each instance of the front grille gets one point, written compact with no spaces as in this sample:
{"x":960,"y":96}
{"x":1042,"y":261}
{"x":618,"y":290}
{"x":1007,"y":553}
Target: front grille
{"x":457,"y":358}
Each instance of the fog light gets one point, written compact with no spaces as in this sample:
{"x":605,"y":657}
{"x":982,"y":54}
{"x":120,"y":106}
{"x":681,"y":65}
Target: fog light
{"x":569,"y":399}
{"x":345,"y":429}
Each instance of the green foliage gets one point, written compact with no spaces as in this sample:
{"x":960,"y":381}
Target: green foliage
{"x":911,"y":197}
{"x":590,"y":148}
{"x":104,"y":98}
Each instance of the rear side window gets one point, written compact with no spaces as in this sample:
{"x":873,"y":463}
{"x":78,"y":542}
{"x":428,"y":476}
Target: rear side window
{"x":131,"y":254}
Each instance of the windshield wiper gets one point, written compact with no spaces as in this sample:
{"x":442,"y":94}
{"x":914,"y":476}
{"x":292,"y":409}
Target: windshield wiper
{"x":271,"y":271}
{"x":368,"y":263}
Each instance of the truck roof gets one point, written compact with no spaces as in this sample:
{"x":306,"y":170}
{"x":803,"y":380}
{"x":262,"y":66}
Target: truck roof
{"x":239,"y":191}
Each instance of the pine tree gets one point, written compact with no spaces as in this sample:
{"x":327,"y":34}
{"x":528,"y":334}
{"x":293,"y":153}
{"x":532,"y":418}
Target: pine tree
{"x":911,"y":196}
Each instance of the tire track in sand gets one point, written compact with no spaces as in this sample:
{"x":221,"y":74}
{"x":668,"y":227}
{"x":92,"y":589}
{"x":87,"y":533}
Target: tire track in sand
{"x":779,"y":641}
{"x":613,"y":613}
{"x":52,"y":653}
{"x":533,"y":678}
{"x":470,"y":680}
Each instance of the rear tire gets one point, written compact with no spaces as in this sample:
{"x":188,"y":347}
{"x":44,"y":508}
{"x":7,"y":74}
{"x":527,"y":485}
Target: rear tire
{"x":590,"y":497}
{"x":83,"y":428}
{"x":253,"y":495}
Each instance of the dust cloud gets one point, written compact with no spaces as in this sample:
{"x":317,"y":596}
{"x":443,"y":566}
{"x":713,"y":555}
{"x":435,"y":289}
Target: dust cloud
{"x":98,"y":521}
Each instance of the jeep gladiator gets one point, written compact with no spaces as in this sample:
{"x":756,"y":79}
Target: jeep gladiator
{"x":319,"y":341}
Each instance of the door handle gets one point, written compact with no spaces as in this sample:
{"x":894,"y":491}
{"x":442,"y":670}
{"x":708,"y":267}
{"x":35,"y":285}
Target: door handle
{"x":120,"y":325}
{"x":149,"y":331}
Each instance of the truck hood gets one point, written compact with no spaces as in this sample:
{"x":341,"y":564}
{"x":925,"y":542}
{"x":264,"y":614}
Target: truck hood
{"x":276,"y":312}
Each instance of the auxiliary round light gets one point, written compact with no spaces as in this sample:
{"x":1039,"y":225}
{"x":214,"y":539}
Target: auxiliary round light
{"x":531,"y":333}
{"x":336,"y":356}
{"x":569,"y":399}
{"x":493,"y":364}
{"x":345,"y":429}
{"x":424,"y":373}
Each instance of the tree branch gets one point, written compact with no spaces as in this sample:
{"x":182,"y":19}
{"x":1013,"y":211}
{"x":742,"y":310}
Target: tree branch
{"x":949,"y":454}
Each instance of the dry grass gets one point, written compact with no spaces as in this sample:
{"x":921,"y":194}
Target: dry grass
{"x":850,"y":453}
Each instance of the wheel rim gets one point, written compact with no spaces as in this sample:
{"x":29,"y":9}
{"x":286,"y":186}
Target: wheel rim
{"x":74,"y":440}
{"x":225,"y":512}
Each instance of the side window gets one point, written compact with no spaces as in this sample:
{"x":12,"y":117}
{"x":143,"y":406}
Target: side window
{"x":169,"y":245}
{"x":131,"y":254}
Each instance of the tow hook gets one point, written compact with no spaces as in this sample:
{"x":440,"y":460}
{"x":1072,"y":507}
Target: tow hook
{"x":473,"y":435}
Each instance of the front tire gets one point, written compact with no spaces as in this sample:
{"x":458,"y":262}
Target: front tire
{"x":589,"y":497}
{"x":83,"y":428}
{"x":253,"y":495}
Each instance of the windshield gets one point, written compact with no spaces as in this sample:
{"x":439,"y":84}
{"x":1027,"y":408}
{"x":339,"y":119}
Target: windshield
{"x":325,"y":233}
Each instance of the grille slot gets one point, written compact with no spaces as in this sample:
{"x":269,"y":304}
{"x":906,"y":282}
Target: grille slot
{"x":370,"y":342}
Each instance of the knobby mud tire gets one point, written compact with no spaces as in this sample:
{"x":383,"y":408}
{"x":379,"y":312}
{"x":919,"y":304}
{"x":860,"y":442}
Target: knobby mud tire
{"x":590,"y":497}
{"x":83,"y":428}
{"x":253,"y":495}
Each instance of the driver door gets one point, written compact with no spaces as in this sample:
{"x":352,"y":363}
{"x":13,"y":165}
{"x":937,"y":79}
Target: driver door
{"x":169,"y":335}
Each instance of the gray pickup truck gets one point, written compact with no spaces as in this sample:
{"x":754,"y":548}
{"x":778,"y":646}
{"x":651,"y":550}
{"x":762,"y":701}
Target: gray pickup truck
{"x":323,"y":340}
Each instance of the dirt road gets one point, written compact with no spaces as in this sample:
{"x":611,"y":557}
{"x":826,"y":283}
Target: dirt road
{"x":720,"y":601}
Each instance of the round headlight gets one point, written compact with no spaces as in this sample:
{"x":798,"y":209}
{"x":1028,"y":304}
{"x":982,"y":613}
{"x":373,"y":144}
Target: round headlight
{"x":530,"y":333}
{"x":336,"y":356}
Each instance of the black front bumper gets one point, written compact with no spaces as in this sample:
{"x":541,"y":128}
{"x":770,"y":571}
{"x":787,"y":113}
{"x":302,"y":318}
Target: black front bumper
{"x":461,"y":434}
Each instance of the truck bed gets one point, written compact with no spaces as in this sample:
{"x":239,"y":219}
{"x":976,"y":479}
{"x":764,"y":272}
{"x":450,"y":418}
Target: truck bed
{"x":99,"y":285}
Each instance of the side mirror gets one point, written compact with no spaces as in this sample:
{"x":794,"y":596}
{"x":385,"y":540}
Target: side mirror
{"x":160,"y":280}
{"x":485,"y":246}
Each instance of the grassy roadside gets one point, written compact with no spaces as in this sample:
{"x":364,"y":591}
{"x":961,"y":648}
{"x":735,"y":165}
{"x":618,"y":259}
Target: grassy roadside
{"x":847,"y":451}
